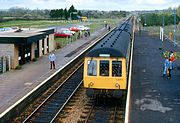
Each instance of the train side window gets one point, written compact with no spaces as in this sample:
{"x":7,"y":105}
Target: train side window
{"x":92,"y":67}
{"x":104,"y":68}
{"x":116,"y":68}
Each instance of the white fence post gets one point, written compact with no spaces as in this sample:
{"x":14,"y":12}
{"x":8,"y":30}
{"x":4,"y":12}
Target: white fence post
{"x":160,"y":32}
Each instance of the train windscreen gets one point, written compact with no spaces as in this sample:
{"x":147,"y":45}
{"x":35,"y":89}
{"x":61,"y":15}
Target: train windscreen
{"x":92,"y":68}
{"x":104,"y":68}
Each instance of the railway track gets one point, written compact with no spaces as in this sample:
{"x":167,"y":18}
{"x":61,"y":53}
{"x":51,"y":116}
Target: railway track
{"x":49,"y":104}
{"x":53,"y":104}
{"x":104,"y":111}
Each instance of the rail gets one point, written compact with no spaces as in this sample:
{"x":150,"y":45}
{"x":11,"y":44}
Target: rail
{"x":67,"y":85}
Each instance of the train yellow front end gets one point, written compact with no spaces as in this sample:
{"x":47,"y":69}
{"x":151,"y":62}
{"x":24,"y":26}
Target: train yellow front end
{"x":100,"y":73}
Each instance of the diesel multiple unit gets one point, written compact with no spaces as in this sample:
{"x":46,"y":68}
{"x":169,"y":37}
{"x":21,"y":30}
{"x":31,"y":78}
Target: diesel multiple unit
{"x":106,"y":65}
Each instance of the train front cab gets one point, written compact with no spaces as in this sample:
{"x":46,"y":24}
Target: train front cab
{"x":105,"y":75}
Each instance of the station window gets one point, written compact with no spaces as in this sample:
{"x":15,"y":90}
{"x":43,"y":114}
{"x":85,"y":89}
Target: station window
{"x":104,"y":68}
{"x":92,"y":67}
{"x":116,"y":68}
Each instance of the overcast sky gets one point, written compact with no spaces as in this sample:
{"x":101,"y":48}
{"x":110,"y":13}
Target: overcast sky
{"x":106,"y":5}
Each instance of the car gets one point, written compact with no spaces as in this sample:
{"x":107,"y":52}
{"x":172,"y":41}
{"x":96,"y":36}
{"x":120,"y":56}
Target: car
{"x":62,"y":34}
{"x":76,"y":29}
{"x":68,"y":31}
{"x":83,"y":28}
{"x":9,"y":29}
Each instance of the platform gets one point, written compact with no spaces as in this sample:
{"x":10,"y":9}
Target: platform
{"x":154,"y":99}
{"x":15,"y":84}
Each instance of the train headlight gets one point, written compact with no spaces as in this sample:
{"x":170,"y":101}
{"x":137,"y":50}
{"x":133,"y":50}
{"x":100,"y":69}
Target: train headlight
{"x":117,"y":85}
{"x":90,"y":84}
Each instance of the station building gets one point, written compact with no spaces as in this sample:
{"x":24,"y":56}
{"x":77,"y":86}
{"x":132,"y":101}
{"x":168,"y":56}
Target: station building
{"x":26,"y":44}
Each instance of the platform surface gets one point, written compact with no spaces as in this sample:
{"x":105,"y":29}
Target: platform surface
{"x":154,"y":99}
{"x":17,"y":83}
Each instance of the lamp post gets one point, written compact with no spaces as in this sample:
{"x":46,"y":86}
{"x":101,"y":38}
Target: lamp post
{"x":71,"y":15}
{"x":174,"y":12}
{"x":162,"y":30}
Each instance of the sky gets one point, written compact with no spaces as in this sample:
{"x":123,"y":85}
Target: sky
{"x":106,"y":5}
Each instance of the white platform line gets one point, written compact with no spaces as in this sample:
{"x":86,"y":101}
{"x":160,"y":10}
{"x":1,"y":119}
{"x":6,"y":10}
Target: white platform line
{"x":129,"y":81}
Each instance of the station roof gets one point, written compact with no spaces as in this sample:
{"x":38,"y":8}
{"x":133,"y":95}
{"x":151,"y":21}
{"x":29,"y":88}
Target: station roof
{"x":25,"y":35}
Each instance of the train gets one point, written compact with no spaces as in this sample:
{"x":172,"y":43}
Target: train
{"x":106,"y":64}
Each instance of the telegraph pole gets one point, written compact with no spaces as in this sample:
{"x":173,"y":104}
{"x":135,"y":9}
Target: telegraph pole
{"x":174,"y":27}
{"x":162,"y":38}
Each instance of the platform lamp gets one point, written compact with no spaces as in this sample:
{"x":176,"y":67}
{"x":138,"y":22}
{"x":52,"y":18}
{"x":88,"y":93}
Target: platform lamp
{"x":162,"y":30}
{"x":174,"y":12}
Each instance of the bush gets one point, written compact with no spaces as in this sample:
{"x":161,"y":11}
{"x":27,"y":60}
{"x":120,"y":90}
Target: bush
{"x":18,"y":67}
{"x":34,"y":59}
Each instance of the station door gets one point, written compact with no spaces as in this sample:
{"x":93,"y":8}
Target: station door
{"x":24,"y":54}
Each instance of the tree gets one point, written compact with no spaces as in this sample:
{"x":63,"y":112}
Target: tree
{"x":79,"y":13}
{"x":65,"y":14}
{"x":52,"y":13}
{"x":61,"y":12}
{"x":70,"y":12}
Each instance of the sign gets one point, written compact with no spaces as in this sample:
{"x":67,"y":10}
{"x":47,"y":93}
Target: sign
{"x":104,"y":55}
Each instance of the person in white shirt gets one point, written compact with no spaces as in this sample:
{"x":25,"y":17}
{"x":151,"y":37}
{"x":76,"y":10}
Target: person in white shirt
{"x":52,"y":59}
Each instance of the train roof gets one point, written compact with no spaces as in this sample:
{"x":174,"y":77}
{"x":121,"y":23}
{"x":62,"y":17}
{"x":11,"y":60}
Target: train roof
{"x":115,"y":44}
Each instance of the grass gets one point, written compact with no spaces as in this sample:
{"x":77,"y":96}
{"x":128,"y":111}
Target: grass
{"x":167,"y":29}
{"x":61,"y":42}
{"x":34,"y":23}
{"x":46,"y":23}
{"x":96,"y":24}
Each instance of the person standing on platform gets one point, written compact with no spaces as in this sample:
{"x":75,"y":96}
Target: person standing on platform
{"x":166,"y":66}
{"x":86,"y":34}
{"x":171,"y":56}
{"x":52,"y":59}
{"x":109,"y":28}
{"x":169,"y":69}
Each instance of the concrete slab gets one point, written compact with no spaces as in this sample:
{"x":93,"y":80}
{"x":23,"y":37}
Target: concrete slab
{"x":154,"y":99}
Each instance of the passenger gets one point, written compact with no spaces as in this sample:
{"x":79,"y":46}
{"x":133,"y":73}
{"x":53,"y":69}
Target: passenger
{"x":109,"y":28}
{"x":106,"y":25}
{"x":166,"y":65}
{"x":171,"y":56}
{"x":89,"y":34}
{"x":52,"y":59}
{"x":169,"y":69}
{"x":85,"y":34}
